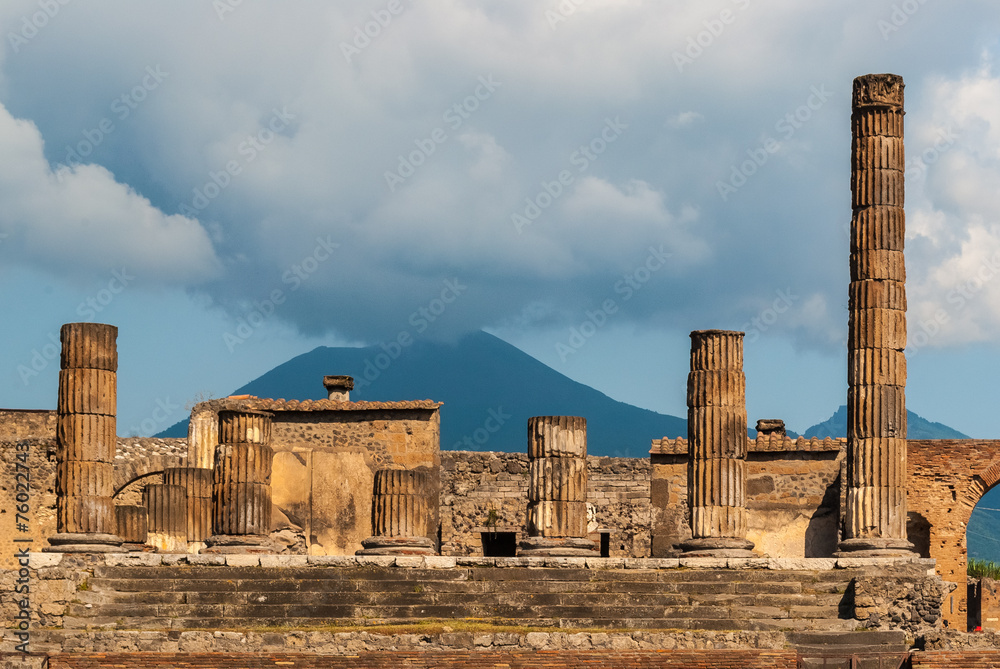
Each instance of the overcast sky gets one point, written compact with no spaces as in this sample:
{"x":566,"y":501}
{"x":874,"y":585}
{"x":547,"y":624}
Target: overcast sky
{"x":234,"y":183}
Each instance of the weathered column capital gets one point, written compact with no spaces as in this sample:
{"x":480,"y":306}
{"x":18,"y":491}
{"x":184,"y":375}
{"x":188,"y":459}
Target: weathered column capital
{"x":878,"y":90}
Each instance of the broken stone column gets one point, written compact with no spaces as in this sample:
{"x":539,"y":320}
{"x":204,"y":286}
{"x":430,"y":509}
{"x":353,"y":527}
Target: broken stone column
{"x":203,"y":437}
{"x":339,"y":387}
{"x":717,"y":446}
{"x":400,"y":514}
{"x":876,"y":404}
{"x":197,"y":483}
{"x":86,"y":441}
{"x":557,"y":488}
{"x":166,"y":508}
{"x":241,"y":484}
{"x":132,"y":525}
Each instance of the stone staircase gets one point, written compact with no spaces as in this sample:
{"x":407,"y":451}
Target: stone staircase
{"x":223,"y":597}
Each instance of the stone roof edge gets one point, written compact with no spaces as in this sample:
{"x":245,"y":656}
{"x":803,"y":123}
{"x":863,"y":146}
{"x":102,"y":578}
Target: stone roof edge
{"x":281,"y":404}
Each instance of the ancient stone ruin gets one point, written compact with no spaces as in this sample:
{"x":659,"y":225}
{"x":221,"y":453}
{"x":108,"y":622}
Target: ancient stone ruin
{"x":333,"y":532}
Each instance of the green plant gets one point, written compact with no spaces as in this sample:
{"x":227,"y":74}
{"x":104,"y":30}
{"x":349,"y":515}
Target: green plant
{"x":418,"y":588}
{"x":983,"y":569}
{"x":492,"y":518}
{"x":83,"y":586}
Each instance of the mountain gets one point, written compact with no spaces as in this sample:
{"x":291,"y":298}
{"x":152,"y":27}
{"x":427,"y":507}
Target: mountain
{"x":482,"y":381}
{"x":916,"y":427}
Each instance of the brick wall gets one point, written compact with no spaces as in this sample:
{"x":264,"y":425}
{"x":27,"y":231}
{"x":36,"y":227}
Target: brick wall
{"x":947,"y":480}
{"x":486,"y":491}
{"x":623,"y":659}
{"x":959,"y":659}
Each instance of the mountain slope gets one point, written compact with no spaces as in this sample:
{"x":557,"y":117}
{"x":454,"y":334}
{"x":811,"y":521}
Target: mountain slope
{"x":916,"y":427}
{"x":478,"y":378}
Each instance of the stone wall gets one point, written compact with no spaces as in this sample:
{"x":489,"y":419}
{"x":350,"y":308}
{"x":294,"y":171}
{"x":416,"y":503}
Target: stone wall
{"x":27,"y":424}
{"x":793,"y":496}
{"x":27,"y":486}
{"x":488,"y":492}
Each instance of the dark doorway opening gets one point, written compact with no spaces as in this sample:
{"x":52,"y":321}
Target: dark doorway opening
{"x":499,"y":544}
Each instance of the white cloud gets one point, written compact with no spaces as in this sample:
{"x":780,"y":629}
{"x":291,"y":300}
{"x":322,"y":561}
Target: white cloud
{"x":81,"y":221}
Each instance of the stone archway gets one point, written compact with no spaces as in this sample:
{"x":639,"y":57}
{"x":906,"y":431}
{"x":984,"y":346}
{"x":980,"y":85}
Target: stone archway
{"x":947,"y":478}
{"x":136,"y":468}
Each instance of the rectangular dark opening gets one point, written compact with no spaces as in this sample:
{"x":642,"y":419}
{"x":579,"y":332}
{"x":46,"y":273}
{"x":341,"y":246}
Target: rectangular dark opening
{"x":499,"y":544}
{"x":605,"y":544}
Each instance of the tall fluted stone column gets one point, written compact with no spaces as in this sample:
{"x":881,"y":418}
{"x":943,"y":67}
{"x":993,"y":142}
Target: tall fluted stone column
{"x":133,"y":527}
{"x":876,"y":404}
{"x":166,"y":508}
{"x":400,"y":514}
{"x":241,"y":484}
{"x":557,"y":488}
{"x":86,"y":441}
{"x":717,"y":446}
{"x":203,"y":437}
{"x":197,"y":483}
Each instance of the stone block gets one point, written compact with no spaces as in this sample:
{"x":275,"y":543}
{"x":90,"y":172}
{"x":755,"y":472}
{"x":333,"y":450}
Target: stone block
{"x":43,"y":560}
{"x":207,"y":560}
{"x":89,"y":346}
{"x":90,"y":391}
{"x":284,"y":560}
{"x":237,"y":560}
{"x":133,"y":560}
{"x":85,"y":437}
{"x":557,"y":437}
{"x":439,"y":562}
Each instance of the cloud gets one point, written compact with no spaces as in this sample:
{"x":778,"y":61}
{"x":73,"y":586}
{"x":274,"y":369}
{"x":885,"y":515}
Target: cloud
{"x":953,"y":167}
{"x":80,"y":221}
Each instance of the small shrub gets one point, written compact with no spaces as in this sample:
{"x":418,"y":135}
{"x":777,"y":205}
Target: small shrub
{"x":984,"y":569}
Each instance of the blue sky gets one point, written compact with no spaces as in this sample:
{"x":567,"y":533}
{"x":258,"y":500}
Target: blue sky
{"x":235,"y":183}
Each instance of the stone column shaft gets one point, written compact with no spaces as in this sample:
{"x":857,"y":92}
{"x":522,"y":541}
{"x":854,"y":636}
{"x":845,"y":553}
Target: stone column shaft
{"x":133,"y":526}
{"x":166,"y":506}
{"x":400,"y":514}
{"x":86,"y":441}
{"x":875,"y":522}
{"x":203,"y":437}
{"x":717,"y":445}
{"x":241,"y":484}
{"x":198,"y":484}
{"x":557,"y":487}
